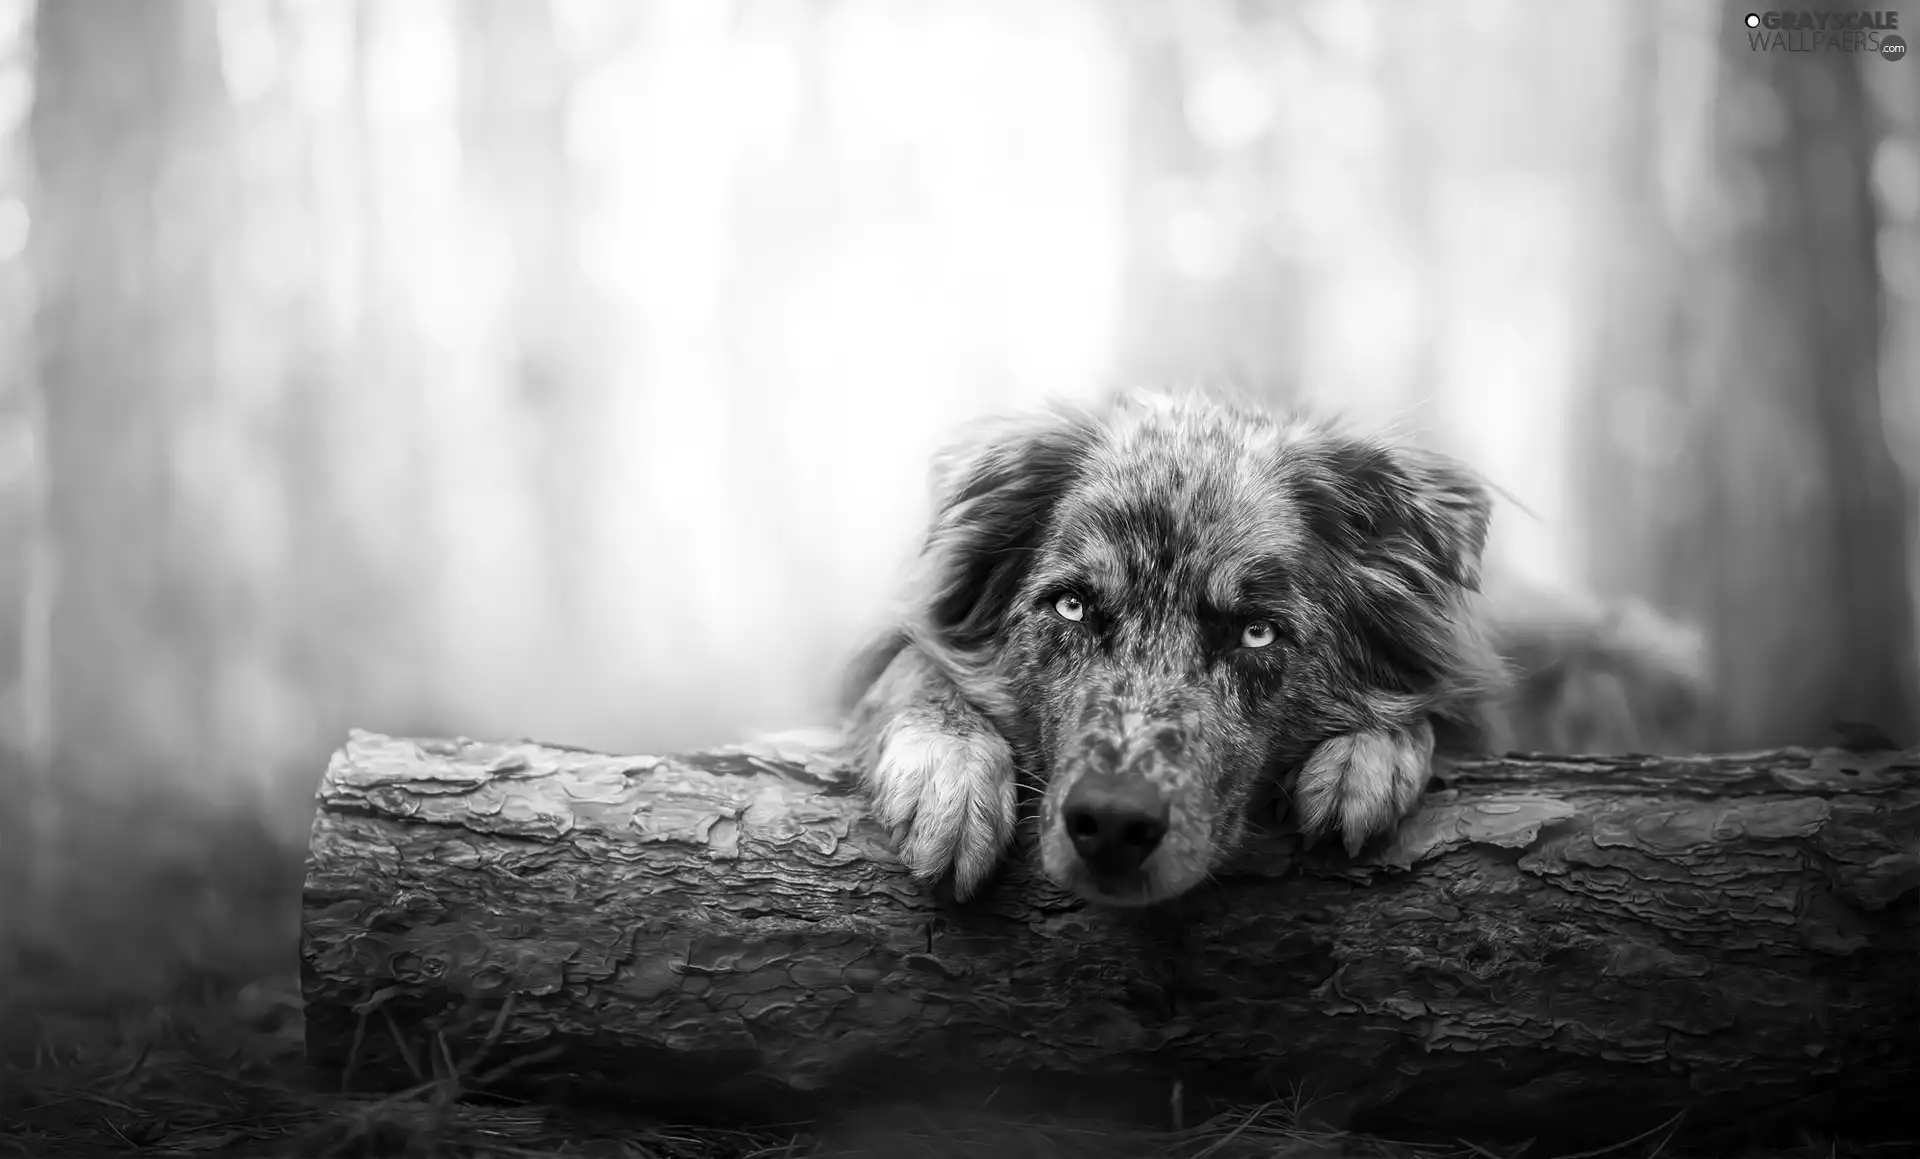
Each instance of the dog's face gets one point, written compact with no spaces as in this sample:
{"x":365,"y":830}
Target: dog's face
{"x":1164,"y":602}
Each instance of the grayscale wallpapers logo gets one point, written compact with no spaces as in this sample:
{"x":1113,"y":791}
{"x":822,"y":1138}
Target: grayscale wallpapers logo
{"x":1827,"y":32}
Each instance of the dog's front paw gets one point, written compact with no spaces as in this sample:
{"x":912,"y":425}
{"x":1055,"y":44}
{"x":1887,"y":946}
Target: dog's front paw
{"x":1364,"y":782}
{"x":948,"y":800}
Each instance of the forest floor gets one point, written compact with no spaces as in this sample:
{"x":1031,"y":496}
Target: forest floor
{"x":149,"y":1005}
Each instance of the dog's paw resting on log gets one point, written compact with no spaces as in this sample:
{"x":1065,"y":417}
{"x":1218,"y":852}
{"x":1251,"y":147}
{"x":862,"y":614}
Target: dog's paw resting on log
{"x":1154,"y":610}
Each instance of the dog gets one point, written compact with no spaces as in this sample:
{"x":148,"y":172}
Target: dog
{"x":1592,"y":675}
{"x":1160,"y":607}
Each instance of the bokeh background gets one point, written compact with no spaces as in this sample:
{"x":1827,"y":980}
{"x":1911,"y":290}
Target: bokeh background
{"x":568,"y":368}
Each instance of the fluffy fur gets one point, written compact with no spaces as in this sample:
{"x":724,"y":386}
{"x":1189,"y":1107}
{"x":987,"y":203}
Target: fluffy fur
{"x":1152,"y":609}
{"x":1594,"y":675}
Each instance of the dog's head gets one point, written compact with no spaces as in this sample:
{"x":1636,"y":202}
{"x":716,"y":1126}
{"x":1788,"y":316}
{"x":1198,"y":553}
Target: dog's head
{"x":1164,"y":601}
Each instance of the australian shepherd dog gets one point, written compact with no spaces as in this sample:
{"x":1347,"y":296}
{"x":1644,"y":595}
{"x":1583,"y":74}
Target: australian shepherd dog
{"x":1160,"y":609}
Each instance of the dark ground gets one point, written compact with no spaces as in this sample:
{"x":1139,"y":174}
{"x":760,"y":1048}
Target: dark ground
{"x":149,"y":1005}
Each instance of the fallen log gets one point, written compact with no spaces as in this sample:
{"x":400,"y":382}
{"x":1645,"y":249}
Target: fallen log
{"x":1552,"y":946}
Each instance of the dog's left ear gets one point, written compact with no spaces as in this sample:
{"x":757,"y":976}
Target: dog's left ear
{"x":1418,"y":513}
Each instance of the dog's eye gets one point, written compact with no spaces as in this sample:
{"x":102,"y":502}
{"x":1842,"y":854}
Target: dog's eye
{"x":1070,"y":607}
{"x":1258,"y":634}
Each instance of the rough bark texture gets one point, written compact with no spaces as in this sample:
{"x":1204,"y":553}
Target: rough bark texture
{"x":1550,"y":943}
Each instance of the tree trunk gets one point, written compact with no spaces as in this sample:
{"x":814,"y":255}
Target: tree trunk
{"x":1761,"y":477}
{"x":129,"y":132}
{"x":1549,"y":943}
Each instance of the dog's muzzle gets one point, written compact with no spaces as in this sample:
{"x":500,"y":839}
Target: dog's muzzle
{"x":1127,"y":782}
{"x":1116,"y":821}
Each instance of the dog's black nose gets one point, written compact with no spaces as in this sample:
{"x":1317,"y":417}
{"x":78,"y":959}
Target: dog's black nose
{"x":1115,"y":822}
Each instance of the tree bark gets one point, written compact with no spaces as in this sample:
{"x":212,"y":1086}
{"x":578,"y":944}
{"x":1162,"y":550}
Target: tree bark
{"x":1550,"y":945}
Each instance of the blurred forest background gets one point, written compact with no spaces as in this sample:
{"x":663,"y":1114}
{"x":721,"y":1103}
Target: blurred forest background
{"x":568,"y":368}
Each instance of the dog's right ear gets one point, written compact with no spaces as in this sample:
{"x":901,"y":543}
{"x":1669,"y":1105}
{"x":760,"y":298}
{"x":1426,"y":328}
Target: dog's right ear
{"x":993,"y":491}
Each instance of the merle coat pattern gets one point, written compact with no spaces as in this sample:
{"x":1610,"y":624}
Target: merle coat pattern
{"x":1155,"y":606}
